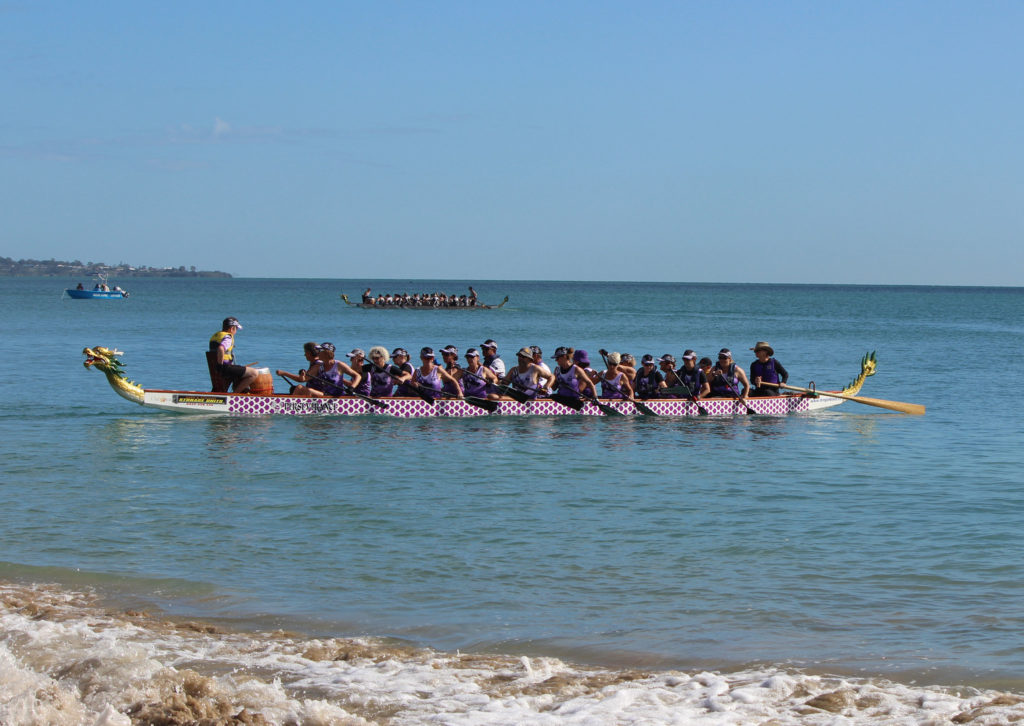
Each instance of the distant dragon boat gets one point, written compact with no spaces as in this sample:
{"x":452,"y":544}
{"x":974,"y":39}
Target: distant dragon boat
{"x":420,"y":305}
{"x":268,"y":403}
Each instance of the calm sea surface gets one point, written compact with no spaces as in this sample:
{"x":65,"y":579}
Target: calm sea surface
{"x":853,"y":540}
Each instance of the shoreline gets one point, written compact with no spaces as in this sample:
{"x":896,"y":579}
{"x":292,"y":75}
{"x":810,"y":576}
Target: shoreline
{"x":72,"y":656}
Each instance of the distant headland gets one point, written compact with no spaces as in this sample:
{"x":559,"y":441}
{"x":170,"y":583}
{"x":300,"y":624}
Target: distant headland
{"x":60,"y":268}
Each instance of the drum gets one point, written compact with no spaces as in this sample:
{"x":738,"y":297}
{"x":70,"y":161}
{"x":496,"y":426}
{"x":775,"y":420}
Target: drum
{"x":264,"y":383}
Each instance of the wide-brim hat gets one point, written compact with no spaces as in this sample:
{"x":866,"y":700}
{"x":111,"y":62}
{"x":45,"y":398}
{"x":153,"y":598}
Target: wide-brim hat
{"x":761,"y":345}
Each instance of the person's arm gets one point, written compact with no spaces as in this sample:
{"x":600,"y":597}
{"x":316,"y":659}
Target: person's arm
{"x":783,"y":373}
{"x":448,"y":377}
{"x":625,"y":387}
{"x":743,"y":379}
{"x":581,"y":375}
{"x":705,"y":387}
{"x":355,"y":375}
{"x":548,"y":376}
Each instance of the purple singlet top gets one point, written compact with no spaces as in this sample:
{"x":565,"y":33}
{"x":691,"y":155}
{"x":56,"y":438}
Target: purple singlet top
{"x":431,"y":381}
{"x":612,"y":388}
{"x":473,"y":384}
{"x":568,"y":385}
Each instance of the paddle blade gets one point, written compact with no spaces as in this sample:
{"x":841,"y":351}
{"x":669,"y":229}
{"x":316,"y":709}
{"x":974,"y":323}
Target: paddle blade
{"x":576,"y":404}
{"x":484,"y":403}
{"x":914,"y":409}
{"x":644,"y":409}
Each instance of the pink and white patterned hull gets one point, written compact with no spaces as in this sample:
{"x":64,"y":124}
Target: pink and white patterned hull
{"x":282,"y":405}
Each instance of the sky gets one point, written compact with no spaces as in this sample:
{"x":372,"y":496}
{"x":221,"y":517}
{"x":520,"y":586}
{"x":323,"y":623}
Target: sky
{"x":827,"y":142}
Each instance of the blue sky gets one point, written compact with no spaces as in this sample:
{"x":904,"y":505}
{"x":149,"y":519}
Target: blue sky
{"x":847,"y":142}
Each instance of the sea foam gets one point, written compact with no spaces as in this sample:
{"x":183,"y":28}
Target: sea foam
{"x":66,"y":659}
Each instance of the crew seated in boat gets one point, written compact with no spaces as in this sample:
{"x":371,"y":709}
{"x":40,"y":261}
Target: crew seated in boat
{"x":401,"y":372}
{"x":429,"y":378}
{"x":329,"y":378}
{"x":528,"y":376}
{"x":222,"y":344}
{"x":310,"y":350}
{"x":692,"y":378}
{"x":627,"y":365}
{"x":570,"y":378}
{"x":377,"y":382}
{"x":727,"y":377}
{"x":648,"y":380}
{"x":476,"y":378}
{"x":614,"y":383}
{"x":766,"y":370}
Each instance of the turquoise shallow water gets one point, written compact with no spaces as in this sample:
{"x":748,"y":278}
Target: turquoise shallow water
{"x":852,"y":540}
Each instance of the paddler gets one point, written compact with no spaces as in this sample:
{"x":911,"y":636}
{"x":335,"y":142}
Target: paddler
{"x":570,"y":379}
{"x":766,"y":370}
{"x":648,"y":381}
{"x":222,"y":344}
{"x":430,"y":377}
{"x":526,"y":375}
{"x":476,"y":378}
{"x":329,"y":379}
{"x":614,"y":383}
{"x":401,"y":371}
{"x":310,"y":350}
{"x":692,"y":377}
{"x":490,"y":351}
{"x":726,"y":377}
{"x":450,"y":357}
{"x":667,"y":364}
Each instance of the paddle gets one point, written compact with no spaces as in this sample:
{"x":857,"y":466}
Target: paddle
{"x":513,"y":393}
{"x":642,"y":408}
{"x":915,"y":409}
{"x":685,"y":389}
{"x":576,"y":404}
{"x":736,"y":395}
{"x":350,"y":391}
{"x":608,"y":410}
{"x":416,"y":387}
{"x":484,"y":403}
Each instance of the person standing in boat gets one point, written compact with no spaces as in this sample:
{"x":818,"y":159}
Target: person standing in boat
{"x":527,"y":375}
{"x":692,"y":377}
{"x":570,"y":379}
{"x":766,"y":370}
{"x":222,"y":345}
{"x":476,"y":378}
{"x":726,"y":377}
{"x":367,"y":297}
{"x":490,"y":350}
{"x":472,"y":297}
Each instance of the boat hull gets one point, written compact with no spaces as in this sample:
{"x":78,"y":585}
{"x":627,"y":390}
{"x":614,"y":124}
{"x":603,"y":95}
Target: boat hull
{"x":241,"y":404}
{"x":96,"y":294}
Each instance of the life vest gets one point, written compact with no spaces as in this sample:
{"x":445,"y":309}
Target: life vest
{"x":765,"y":370}
{"x":646,"y":386}
{"x":725,"y":384}
{"x":474,"y":384}
{"x":694,"y":380}
{"x":217,"y":338}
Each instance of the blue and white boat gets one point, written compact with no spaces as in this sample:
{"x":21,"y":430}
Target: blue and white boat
{"x":101,"y":291}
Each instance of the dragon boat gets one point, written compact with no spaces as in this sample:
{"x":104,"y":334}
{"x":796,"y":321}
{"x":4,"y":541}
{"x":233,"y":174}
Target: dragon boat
{"x":268,"y":403}
{"x":428,"y":306}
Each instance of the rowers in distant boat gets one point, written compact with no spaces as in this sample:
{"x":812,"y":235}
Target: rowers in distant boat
{"x":422,"y":301}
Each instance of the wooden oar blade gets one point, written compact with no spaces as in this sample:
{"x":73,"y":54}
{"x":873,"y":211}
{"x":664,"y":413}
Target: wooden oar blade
{"x":914,"y":409}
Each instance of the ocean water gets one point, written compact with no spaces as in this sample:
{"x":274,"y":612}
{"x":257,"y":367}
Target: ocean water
{"x":852,"y":563}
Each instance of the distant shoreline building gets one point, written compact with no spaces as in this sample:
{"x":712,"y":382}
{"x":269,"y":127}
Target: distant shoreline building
{"x":60,"y":268}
